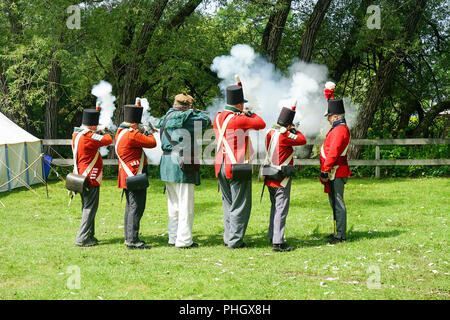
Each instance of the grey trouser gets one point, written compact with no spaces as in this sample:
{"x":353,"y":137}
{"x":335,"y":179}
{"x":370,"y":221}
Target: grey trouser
{"x":336,"y":197}
{"x":89,"y":206}
{"x":134,"y":209}
{"x":280,"y":198}
{"x":237,"y":204}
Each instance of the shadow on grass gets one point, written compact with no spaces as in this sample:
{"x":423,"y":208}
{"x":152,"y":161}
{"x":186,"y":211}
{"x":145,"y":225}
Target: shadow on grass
{"x":311,"y":203}
{"x":260,"y":240}
{"x":317,"y":238}
{"x":379,"y":202}
{"x":152,"y":240}
{"x":361,"y":235}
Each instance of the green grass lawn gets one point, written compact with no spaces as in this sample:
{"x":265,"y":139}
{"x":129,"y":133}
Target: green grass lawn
{"x":396,"y":248}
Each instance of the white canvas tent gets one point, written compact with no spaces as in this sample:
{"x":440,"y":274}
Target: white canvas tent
{"x":20,"y":156}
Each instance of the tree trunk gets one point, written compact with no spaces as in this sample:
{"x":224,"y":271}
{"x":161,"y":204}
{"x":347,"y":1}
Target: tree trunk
{"x":383,"y":80}
{"x":307,"y":45}
{"x":51,"y":108}
{"x":274,"y":30}
{"x":423,"y":127}
{"x":446,"y":127}
{"x":195,"y":93}
{"x":13,"y":10}
{"x":177,"y":20}
{"x":312,"y":28}
{"x":375,"y":95}
{"x":405,"y":114}
{"x":139,"y":45}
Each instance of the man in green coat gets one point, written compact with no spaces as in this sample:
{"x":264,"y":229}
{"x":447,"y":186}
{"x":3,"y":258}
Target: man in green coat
{"x":179,"y":167}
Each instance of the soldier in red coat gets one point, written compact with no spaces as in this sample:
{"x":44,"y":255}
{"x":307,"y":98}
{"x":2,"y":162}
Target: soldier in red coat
{"x":130,"y":141}
{"x":233,"y":164}
{"x":85,"y":144}
{"x":280,"y":141}
{"x":334,"y":167}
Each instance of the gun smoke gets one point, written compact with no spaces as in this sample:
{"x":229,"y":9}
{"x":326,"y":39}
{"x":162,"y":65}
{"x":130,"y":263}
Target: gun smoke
{"x":268,"y":89}
{"x":153,"y":155}
{"x":103,"y":92}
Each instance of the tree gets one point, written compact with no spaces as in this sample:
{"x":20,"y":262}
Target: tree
{"x":430,"y":115}
{"x":158,"y":48}
{"x":384,"y":76}
{"x":138,"y":40}
{"x":53,"y":92}
{"x":136,"y":44}
{"x":185,"y":11}
{"x":348,"y":58}
{"x":308,"y":41}
{"x":11,"y":32}
{"x":312,"y":28}
{"x":274,"y":30}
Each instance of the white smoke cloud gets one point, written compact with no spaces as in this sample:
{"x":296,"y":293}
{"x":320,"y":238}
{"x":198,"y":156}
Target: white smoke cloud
{"x":103,"y":92}
{"x":154,"y":154}
{"x":268,"y":90}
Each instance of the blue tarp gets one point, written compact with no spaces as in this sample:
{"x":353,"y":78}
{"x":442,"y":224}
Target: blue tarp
{"x":47,"y":164}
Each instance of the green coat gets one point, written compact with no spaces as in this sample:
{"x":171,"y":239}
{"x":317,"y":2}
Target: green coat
{"x":169,"y":169}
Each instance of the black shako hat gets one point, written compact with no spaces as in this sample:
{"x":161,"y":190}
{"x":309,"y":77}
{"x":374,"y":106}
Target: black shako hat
{"x":90,"y":117}
{"x":132,"y":113}
{"x":335,"y":107}
{"x":286,"y":117}
{"x":235,"y":95}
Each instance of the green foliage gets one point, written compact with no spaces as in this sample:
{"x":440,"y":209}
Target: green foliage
{"x":403,"y":152}
{"x":34,"y":33}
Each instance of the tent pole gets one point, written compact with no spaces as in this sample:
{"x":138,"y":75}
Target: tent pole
{"x":7,"y":167}
{"x":26,"y":163}
{"x":43,"y":168}
{"x":43,"y":162}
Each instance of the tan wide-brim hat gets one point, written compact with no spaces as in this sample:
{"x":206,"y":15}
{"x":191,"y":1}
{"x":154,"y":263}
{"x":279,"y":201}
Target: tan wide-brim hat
{"x":184,"y":99}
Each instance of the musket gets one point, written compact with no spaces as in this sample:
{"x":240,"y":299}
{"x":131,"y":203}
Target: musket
{"x":150,"y":125}
{"x":203,"y":111}
{"x":98,"y":107}
{"x":105,"y":130}
{"x":239,"y":83}
{"x":196,"y":109}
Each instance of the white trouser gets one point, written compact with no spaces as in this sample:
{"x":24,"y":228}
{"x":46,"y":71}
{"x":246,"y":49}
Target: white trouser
{"x":180,"y":205}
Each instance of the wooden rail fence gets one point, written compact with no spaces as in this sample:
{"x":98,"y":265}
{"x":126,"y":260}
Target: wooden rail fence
{"x":377,"y":162}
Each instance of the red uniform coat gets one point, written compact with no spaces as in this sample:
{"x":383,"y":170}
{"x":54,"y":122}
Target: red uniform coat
{"x":236,"y":136}
{"x":283,"y":150}
{"x":332,"y":153}
{"x":88,"y":146}
{"x":130,"y":150}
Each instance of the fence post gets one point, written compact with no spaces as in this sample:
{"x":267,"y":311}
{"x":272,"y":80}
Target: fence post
{"x":377,"y":157}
